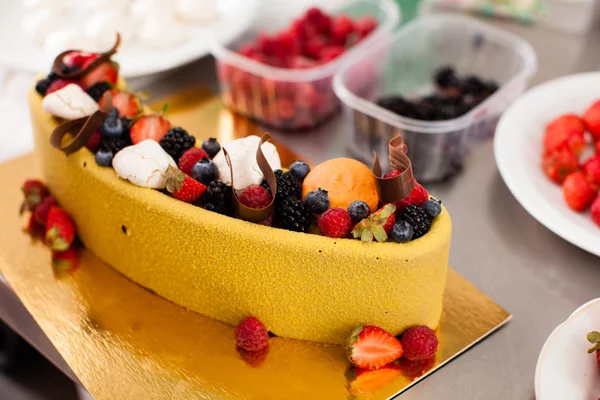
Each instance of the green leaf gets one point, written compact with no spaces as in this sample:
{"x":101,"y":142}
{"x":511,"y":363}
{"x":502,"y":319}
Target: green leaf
{"x":380,"y":234}
{"x":367,"y":236}
{"x":165,"y":108}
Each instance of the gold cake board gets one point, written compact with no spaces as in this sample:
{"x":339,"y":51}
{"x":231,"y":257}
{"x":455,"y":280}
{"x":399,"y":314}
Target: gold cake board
{"x":124,"y":342}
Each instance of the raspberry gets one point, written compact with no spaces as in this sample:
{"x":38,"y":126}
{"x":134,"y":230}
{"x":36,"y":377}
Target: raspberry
{"x":251,"y":334}
{"x":330,"y":53}
{"x":591,"y":170}
{"x":335,"y":223}
{"x":596,"y":211}
{"x":419,"y":343}
{"x":255,"y":196}
{"x":341,"y":29}
{"x":365,"y":25}
{"x":189,"y":158}
{"x":94,"y":141}
{"x":417,"y":197}
{"x":392,"y":174}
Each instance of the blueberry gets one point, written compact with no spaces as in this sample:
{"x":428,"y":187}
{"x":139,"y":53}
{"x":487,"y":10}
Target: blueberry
{"x":113,"y":126}
{"x":205,"y":171}
{"x":402,"y":232}
{"x":317,"y":201}
{"x":432,"y":208}
{"x":104,"y":158}
{"x":211,"y":146}
{"x":359,"y":210}
{"x":299,"y":169}
{"x":42,"y":86}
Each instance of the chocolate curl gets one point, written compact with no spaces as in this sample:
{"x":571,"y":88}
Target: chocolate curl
{"x":394,"y":189}
{"x":256,"y":214}
{"x":85,"y":128}
{"x":102,"y":58}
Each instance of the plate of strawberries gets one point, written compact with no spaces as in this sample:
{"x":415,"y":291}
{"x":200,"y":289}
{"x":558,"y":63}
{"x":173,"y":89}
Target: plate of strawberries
{"x":547,"y":149}
{"x":569,"y":364}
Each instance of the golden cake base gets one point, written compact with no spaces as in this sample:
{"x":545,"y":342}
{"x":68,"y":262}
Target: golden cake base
{"x":124,"y":342}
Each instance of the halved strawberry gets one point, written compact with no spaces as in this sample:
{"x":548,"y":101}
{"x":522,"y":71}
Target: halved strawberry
{"x":126,"y":102}
{"x":60,"y":229}
{"x":183,"y":187}
{"x":79,"y":59}
{"x":377,"y":225}
{"x":560,"y":163}
{"x":569,"y":137}
{"x":591,"y":118}
{"x":365,"y":380}
{"x":153,"y":127}
{"x":578,"y":192}
{"x":105,"y":72}
{"x":371,"y":347}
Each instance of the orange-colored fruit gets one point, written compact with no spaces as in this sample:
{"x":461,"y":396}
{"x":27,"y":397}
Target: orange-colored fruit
{"x":346,"y":180}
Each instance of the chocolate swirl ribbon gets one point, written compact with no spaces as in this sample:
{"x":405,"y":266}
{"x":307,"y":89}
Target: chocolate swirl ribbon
{"x":102,"y":58}
{"x":398,"y":187}
{"x":256,"y":214}
{"x":85,"y":128}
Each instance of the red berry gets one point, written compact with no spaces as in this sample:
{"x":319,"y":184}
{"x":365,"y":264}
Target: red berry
{"x":253,"y":359}
{"x":149,"y":127}
{"x":59,"y":84}
{"x":93,"y":143}
{"x":251,"y":334}
{"x":392,"y":174}
{"x":559,"y":163}
{"x":578,"y":192}
{"x":314,"y":47}
{"x":268,"y":221}
{"x":371,"y":347}
{"x":190,"y":157}
{"x":266,"y":44}
{"x":126,"y":102}
{"x":255,"y":196}
{"x":79,"y":59}
{"x":591,"y":170}
{"x":341,"y":29}
{"x":248,"y":50}
{"x":60,"y":229}
{"x":417,"y":197}
{"x":591,"y":119}
{"x":389,"y":224}
{"x":335,"y":223}
{"x":41,"y":211}
{"x":34,"y":192}
{"x":182,"y":186}
{"x":569,"y":137}
{"x":566,"y":121}
{"x":301,"y":62}
{"x":331,"y":53}
{"x":365,"y":25}
{"x":597,"y":145}
{"x":419,"y":343}
{"x":105,"y":72}
{"x":596,"y":211}
{"x":65,"y":261}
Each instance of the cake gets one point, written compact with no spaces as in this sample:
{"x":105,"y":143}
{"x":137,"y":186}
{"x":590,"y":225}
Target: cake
{"x":300,"y":285}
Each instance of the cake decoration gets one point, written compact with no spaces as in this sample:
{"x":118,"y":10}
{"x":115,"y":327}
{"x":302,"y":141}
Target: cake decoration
{"x":69,"y":103}
{"x":144,"y":164}
{"x":84,"y":62}
{"x":397,"y":187}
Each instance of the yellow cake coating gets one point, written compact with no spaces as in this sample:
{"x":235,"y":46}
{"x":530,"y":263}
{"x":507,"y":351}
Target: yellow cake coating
{"x":299,"y":285}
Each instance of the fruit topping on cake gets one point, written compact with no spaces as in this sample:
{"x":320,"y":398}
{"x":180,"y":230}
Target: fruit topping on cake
{"x":143,"y":164}
{"x":127,"y":103}
{"x":176,"y":142}
{"x":205,"y":171}
{"x":182,"y":186}
{"x":370,"y":347}
{"x":317,"y":201}
{"x":218,"y":198}
{"x":335,"y":223}
{"x":153,"y":127}
{"x":377,"y":225}
{"x":69,"y":102}
{"x":211,"y":146}
{"x":189,"y":158}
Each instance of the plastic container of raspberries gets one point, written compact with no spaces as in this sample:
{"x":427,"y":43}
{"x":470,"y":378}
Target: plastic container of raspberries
{"x":295,"y":97}
{"x":406,"y":64}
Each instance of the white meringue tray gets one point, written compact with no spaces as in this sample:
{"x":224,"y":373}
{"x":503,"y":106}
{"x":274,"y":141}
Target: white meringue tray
{"x":137,"y":56}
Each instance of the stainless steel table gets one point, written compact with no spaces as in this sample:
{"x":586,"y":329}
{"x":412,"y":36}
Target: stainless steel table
{"x":523,"y":266}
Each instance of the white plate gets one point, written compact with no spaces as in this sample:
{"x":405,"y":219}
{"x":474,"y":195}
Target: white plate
{"x":136,"y":59}
{"x":518,"y":150}
{"x":564,"y":369}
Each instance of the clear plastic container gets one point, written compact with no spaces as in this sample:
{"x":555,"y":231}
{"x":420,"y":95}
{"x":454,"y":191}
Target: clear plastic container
{"x":405,"y":63}
{"x":292,"y":99}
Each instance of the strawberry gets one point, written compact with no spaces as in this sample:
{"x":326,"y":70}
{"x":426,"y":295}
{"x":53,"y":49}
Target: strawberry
{"x":591,"y":170}
{"x":34,"y":192}
{"x":594,"y":338}
{"x":591,"y":118}
{"x":251,"y":334}
{"x":105,"y":72}
{"x":578,"y":192}
{"x":32,"y":225}
{"x":596,"y":211}
{"x":190,"y":157}
{"x":330,"y":53}
{"x":183,"y":187}
{"x":126,"y":102}
{"x":417,"y":197}
{"x":342,"y":27}
{"x":559,"y":163}
{"x":365,"y":25}
{"x":376,"y":226}
{"x":65,"y":261}
{"x":60,"y":229}
{"x":59,"y":84}
{"x":41,"y":211}
{"x":253,"y":359}
{"x":571,"y":138}
{"x":153,"y":127}
{"x":79,"y":59}
{"x":94,"y":141}
{"x":387,"y":227}
{"x":364,"y":380}
{"x":566,"y":121}
{"x":371,"y":347}
{"x":597,"y":146}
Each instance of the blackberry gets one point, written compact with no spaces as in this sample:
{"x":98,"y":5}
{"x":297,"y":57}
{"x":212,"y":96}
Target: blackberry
{"x":218,"y":197}
{"x":176,"y":142}
{"x":418,"y":219}
{"x":126,"y":122}
{"x":114,"y":145}
{"x":287,"y":186}
{"x":445,"y":77}
{"x":292,"y":214}
{"x":96,"y":91}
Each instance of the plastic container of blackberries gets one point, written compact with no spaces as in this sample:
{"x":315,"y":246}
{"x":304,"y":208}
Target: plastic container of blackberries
{"x":292,"y":99}
{"x":406,"y":64}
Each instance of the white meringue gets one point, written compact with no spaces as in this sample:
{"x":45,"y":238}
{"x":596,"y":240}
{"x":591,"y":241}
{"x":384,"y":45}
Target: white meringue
{"x":242,"y":153}
{"x":196,"y":11}
{"x":143,"y":164}
{"x":70,"y":102}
